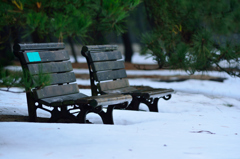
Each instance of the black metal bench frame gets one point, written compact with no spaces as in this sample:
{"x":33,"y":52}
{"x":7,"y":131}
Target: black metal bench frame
{"x":108,"y":76}
{"x":61,"y":97}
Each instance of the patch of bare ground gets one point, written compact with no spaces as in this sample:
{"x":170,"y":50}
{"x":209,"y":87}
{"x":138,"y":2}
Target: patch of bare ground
{"x":19,"y":118}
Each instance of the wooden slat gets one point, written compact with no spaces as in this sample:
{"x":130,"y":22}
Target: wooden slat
{"x":52,"y":67}
{"x":99,"y":48}
{"x":38,"y":46}
{"x":80,"y":99}
{"x":143,"y":93}
{"x":67,"y":77}
{"x":121,"y":83}
{"x":109,"y":75}
{"x":104,"y":56}
{"x":125,"y":90}
{"x":58,"y":78}
{"x":108,"y":99}
{"x":47,"y":56}
{"x":56,"y":90}
{"x":160,"y":92}
{"x":109,"y":65}
{"x":62,"y":100}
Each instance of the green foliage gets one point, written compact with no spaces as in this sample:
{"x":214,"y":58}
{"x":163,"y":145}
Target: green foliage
{"x":9,"y":79}
{"x":186,"y":34}
{"x":37,"y":81}
{"x":23,"y":79}
{"x":107,"y":16}
{"x":66,"y":18}
{"x":60,"y":18}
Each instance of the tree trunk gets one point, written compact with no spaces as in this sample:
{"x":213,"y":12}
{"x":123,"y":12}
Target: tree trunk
{"x":15,"y":35}
{"x":36,"y":38}
{"x":6,"y":55}
{"x":150,"y":19}
{"x":70,"y":41}
{"x":128,"y":51}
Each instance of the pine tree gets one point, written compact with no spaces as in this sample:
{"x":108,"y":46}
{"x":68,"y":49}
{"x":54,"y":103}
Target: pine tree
{"x":47,"y":17}
{"x":66,"y":18}
{"x":9,"y":79}
{"x":42,"y":19}
{"x":61,"y":19}
{"x":108,"y":16}
{"x":194,"y":35}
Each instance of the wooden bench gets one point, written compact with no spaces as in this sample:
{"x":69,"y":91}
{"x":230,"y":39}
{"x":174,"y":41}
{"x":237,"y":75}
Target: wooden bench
{"x":108,"y":76}
{"x":61,"y":97}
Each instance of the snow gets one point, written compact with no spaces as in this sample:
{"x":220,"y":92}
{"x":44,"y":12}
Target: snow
{"x":201,"y":121}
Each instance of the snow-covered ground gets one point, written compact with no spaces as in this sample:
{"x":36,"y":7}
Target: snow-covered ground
{"x":201,"y":121}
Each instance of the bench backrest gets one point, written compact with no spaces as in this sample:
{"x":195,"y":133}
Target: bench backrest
{"x":50,"y":59}
{"x":106,"y":67}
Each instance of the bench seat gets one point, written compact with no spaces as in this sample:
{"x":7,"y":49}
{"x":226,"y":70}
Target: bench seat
{"x":79,"y":98}
{"x":143,"y":92}
{"x":62,"y":100}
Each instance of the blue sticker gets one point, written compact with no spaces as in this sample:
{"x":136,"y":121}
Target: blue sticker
{"x":33,"y":56}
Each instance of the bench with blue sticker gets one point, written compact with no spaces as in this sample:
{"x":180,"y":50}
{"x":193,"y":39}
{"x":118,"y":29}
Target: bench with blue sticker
{"x":33,"y":57}
{"x":61,"y":97}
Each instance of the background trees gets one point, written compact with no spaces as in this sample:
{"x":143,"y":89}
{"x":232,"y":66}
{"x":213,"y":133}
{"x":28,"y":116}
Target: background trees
{"x":190,"y":35}
{"x":194,"y":35}
{"x":42,"y":21}
{"x":50,"y":20}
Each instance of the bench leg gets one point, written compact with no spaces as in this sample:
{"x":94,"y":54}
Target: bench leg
{"x":81,"y":117}
{"x":55,"y":115}
{"x":153,"y":105}
{"x":134,"y":105}
{"x":63,"y":114}
{"x":32,"y":110}
{"x":107,"y":117}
